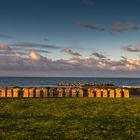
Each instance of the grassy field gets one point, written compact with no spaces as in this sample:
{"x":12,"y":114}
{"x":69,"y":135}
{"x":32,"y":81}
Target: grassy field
{"x":70,"y":118}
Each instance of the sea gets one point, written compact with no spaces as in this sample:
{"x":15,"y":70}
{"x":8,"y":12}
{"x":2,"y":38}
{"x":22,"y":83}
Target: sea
{"x":45,"y":81}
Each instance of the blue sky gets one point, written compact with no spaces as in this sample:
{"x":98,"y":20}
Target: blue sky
{"x":70,"y":38}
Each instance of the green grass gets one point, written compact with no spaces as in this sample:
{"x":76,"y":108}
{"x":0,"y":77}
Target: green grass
{"x":70,"y":118}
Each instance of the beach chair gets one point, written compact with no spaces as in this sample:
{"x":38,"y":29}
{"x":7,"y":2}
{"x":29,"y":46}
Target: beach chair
{"x":104,"y":93}
{"x":51,"y":92}
{"x":44,"y":92}
{"x":3,"y":92}
{"x":74,"y":92}
{"x":67,"y":92}
{"x":91,"y":92}
{"x":80,"y":92}
{"x":111,"y":93}
{"x":126,"y":93}
{"x":38,"y":92}
{"x":31,"y":92}
{"x":118,"y":93}
{"x":15,"y":92}
{"x":25,"y":92}
{"x":60,"y":92}
{"x":9,"y":92}
{"x":98,"y":93}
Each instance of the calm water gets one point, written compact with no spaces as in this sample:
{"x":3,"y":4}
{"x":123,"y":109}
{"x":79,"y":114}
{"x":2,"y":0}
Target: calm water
{"x":34,"y":81}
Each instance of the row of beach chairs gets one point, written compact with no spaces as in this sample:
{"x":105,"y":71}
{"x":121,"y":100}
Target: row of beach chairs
{"x":64,"y":92}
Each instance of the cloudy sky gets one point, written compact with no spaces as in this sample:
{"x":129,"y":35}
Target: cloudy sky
{"x":98,"y":38}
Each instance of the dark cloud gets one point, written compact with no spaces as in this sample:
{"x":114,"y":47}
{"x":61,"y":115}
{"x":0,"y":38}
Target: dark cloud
{"x":7,"y":36}
{"x":34,"y":45}
{"x":132,"y":48}
{"x":117,"y":27}
{"x":70,"y":52}
{"x":98,"y":55}
{"x":46,"y":39}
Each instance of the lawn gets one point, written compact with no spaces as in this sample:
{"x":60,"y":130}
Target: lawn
{"x":69,"y":118}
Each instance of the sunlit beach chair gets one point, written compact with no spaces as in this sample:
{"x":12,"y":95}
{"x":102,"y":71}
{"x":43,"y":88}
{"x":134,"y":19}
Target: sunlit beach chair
{"x":15,"y":92}
{"x":91,"y":92}
{"x":25,"y":92}
{"x":118,"y":93}
{"x":111,"y":93}
{"x":44,"y":92}
{"x":9,"y":92}
{"x":74,"y":92}
{"x":60,"y":92}
{"x":51,"y":92}
{"x":67,"y":92}
{"x":31,"y":92}
{"x":80,"y":92}
{"x":104,"y":93}
{"x":98,"y":93}
{"x":126,"y":93}
{"x":38,"y":92}
{"x":3,"y":92}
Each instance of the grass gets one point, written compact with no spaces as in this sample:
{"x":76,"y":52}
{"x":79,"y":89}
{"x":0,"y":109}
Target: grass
{"x":69,"y":118}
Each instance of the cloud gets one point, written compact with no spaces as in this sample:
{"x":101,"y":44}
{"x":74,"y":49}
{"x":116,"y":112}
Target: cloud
{"x":7,"y":36}
{"x":5,"y":47}
{"x":34,"y":45}
{"x":70,"y":52}
{"x":98,"y":55}
{"x":85,"y":25}
{"x":132,"y":48}
{"x":117,"y":27}
{"x":35,"y":56}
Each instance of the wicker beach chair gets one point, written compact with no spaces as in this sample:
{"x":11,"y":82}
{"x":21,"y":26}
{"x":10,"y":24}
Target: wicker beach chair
{"x":67,"y":92}
{"x":104,"y":93}
{"x":80,"y":92}
{"x":60,"y":92}
{"x":74,"y":92}
{"x":118,"y":93}
{"x":3,"y":92}
{"x":15,"y":92}
{"x":31,"y":92}
{"x":91,"y":92}
{"x":38,"y":92}
{"x":111,"y":93}
{"x":98,"y":93}
{"x":126,"y":93}
{"x":51,"y":92}
{"x":44,"y":92}
{"x":25,"y":92}
{"x":9,"y":92}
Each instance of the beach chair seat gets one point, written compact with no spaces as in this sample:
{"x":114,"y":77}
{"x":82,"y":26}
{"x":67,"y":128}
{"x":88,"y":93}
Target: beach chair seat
{"x":38,"y":92}
{"x":44,"y":92}
{"x":118,"y":93}
{"x":111,"y":93}
{"x":74,"y":92}
{"x":51,"y":92}
{"x":31,"y":92}
{"x":126,"y":93}
{"x":104,"y":93}
{"x":9,"y":92}
{"x":67,"y":92}
{"x":25,"y":92}
{"x":15,"y":92}
{"x":60,"y":92}
{"x":80,"y":92}
{"x":98,"y":93}
{"x":3,"y":92}
{"x":91,"y":92}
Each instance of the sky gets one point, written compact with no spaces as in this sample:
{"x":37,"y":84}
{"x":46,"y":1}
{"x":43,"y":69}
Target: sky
{"x":82,"y":38}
